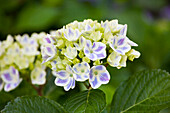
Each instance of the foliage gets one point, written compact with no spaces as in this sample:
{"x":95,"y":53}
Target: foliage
{"x":146,"y":91}
{"x":33,"y":104}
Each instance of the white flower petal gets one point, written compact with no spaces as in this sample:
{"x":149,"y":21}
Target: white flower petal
{"x":62,"y":74}
{"x":70,"y":84}
{"x":10,"y":86}
{"x":95,"y":83}
{"x":114,"y":59}
{"x":61,"y":82}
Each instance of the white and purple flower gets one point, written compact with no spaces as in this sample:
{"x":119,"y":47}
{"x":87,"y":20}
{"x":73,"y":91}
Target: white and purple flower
{"x":114,"y":59}
{"x":82,"y":42}
{"x":98,"y":75}
{"x":38,"y":76}
{"x":119,"y":44}
{"x":71,"y":34}
{"x":95,"y":51}
{"x":48,"y":39}
{"x":123,"y":31}
{"x":65,"y":78}
{"x":81,"y":71}
{"x":11,"y":79}
{"x":71,"y":52}
{"x":48,"y":52}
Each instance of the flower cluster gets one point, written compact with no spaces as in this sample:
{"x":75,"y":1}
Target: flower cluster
{"x":17,"y":56}
{"x":80,"y":50}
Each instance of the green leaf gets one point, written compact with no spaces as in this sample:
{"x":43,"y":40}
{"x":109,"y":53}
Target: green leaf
{"x":90,"y":101}
{"x":147,"y":91}
{"x":4,"y":98}
{"x":33,"y":104}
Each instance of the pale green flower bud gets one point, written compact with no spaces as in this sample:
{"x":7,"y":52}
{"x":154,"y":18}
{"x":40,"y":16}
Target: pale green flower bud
{"x":85,"y":59}
{"x":81,"y":54}
{"x":97,"y":62}
{"x":133,"y":54}
{"x":75,"y":61}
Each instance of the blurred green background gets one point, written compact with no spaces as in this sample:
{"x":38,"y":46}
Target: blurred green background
{"x":148,"y":25}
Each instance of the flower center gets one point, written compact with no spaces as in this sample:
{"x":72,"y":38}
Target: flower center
{"x":96,"y":73}
{"x":91,"y":51}
{"x":71,"y":75}
{"x":82,"y":70}
{"x":115,"y":47}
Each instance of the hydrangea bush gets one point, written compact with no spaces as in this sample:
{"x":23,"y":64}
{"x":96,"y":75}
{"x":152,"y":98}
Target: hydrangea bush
{"x":79,"y":52}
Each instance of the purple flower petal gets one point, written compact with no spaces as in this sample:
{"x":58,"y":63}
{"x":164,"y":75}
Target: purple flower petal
{"x":101,"y":55}
{"x":93,"y":57}
{"x":99,"y":67}
{"x":120,"y":52}
{"x":69,"y":85}
{"x":94,"y":84}
{"x":104,"y":77}
{"x":70,"y":33}
{"x":75,"y":69}
{"x":78,"y":77}
{"x":86,"y":51}
{"x":77,"y":33}
{"x":91,"y":76}
{"x":88,"y":43}
{"x":86,"y":76}
{"x":62,"y":74}
{"x":13,"y":70}
{"x":121,"y":41}
{"x":48,"y":40}
{"x":81,"y":40}
{"x":98,"y":47}
{"x":7,"y":77}
{"x":73,"y":84}
{"x":61,"y":82}
{"x":69,"y":69}
{"x":88,"y":27}
{"x":10,"y":86}
{"x":125,"y":48}
{"x":123,"y":31}
{"x":49,"y":50}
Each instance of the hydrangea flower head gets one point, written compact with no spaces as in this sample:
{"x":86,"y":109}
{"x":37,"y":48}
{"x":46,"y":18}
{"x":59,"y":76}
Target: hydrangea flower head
{"x":80,"y":51}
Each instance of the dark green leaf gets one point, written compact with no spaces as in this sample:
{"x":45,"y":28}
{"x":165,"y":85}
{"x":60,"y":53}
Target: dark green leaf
{"x":90,"y":101}
{"x":4,"y":98}
{"x":33,"y":104}
{"x":147,"y":91}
